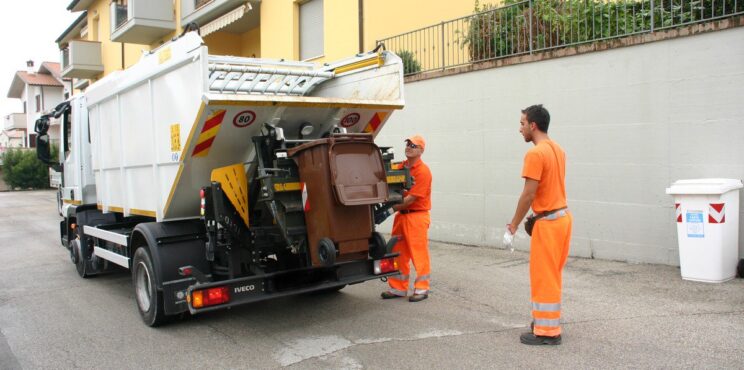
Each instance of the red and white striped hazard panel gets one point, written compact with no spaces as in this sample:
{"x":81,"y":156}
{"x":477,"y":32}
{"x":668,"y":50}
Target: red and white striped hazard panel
{"x":678,"y":212}
{"x":717,"y":213}
{"x":305,"y":202}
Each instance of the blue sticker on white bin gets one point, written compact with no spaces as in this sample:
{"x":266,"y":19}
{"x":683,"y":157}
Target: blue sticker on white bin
{"x":695,"y":224}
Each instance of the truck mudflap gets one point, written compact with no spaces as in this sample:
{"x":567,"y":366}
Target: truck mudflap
{"x":250,"y":289}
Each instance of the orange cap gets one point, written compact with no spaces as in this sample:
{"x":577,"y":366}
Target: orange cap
{"x":418,"y":140}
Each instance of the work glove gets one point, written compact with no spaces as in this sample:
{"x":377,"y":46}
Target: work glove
{"x":508,"y":240}
{"x":382,"y":212}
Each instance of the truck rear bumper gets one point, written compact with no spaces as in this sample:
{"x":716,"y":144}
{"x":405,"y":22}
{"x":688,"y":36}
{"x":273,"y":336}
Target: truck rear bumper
{"x":269,"y":286}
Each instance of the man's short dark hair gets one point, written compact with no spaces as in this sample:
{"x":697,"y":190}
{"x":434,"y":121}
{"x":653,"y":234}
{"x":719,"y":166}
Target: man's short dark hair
{"x":538,"y":114}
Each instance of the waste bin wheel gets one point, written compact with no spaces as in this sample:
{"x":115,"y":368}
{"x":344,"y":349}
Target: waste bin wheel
{"x":326,"y":252}
{"x":377,"y":246}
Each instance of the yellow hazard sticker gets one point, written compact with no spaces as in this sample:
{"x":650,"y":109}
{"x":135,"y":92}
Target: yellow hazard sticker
{"x":175,"y":131}
{"x":396,"y":179}
{"x":164,"y":55}
{"x":287,"y":186}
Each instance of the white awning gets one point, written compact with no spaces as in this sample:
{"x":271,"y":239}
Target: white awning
{"x":225,"y":20}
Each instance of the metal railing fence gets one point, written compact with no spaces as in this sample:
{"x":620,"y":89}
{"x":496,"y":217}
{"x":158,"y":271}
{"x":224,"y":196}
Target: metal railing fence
{"x":526,"y":26}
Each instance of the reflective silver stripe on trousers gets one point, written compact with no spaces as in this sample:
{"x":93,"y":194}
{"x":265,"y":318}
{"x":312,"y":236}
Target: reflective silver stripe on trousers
{"x":556,"y":215}
{"x":422,"y":277}
{"x":547,"y":322}
{"x":547,"y":307}
{"x":421,"y":291}
{"x":400,"y":277}
{"x":400,"y":293}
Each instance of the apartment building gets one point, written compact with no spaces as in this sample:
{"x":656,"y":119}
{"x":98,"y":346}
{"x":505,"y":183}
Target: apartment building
{"x":39,"y":91}
{"x":112,"y":35}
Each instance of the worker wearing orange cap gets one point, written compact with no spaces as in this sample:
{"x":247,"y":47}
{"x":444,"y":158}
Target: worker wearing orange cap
{"x":544,"y":174}
{"x":412,"y":226}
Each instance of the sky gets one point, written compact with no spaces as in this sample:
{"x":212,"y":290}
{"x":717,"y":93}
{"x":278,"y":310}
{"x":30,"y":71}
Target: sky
{"x":28,"y":29}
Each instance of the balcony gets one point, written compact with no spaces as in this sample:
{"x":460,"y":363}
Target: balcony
{"x":15,"y":121}
{"x":205,"y":11}
{"x":141,"y":21}
{"x":82,"y":59}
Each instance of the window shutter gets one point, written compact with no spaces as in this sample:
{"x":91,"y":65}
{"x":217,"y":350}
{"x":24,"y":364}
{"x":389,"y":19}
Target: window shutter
{"x":311,"y":29}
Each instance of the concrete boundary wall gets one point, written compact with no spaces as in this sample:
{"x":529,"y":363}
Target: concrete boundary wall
{"x":632,"y":120}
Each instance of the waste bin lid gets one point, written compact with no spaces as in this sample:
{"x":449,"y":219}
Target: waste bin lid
{"x":704,"y":186}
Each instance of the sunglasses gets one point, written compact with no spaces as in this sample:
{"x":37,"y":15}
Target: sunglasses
{"x":412,"y":145}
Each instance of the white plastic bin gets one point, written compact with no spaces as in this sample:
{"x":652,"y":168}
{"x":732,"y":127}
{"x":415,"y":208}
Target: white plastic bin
{"x":707,"y":216}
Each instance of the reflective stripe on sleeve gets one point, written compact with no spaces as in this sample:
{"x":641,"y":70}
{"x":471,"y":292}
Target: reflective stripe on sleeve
{"x":547,"y":307}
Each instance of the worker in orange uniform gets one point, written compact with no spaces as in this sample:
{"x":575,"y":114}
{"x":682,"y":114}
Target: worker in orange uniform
{"x":544,"y":174}
{"x":412,"y":226}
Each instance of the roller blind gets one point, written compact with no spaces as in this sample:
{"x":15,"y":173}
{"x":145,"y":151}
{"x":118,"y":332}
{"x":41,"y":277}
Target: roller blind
{"x":311,"y":29}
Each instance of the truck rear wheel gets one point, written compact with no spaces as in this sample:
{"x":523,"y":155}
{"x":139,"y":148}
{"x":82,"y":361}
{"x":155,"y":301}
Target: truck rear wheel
{"x":149,"y":299}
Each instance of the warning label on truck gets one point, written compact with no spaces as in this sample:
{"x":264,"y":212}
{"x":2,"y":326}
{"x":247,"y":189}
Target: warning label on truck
{"x":349,"y":120}
{"x":175,"y":131}
{"x":244,"y":118}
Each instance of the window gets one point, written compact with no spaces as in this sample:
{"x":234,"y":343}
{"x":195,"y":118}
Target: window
{"x":24,"y":107}
{"x":38,"y":103}
{"x":67,"y":133}
{"x":119,"y":13}
{"x":311,"y":29}
{"x":32,"y":141}
{"x":199,"y":3}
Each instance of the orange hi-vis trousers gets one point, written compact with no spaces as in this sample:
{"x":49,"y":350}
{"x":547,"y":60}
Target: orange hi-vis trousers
{"x":551,"y":237}
{"x":413,"y":229}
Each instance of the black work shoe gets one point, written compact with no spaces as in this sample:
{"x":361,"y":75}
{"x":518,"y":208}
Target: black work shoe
{"x":417,"y":297}
{"x":537,"y":340}
{"x":388,"y":295}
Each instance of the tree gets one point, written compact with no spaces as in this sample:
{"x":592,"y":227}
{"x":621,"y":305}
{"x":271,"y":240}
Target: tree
{"x":21,"y":169}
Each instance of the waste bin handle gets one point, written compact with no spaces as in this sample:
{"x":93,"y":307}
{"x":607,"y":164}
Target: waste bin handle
{"x":379,"y":186}
{"x":351,"y":137}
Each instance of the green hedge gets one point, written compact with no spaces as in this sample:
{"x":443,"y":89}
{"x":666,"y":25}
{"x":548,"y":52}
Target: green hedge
{"x":503,"y":30}
{"x":410,"y":64}
{"x":22,"y":170}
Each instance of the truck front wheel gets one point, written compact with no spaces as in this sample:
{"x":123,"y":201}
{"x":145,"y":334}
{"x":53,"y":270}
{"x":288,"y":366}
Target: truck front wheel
{"x":78,"y":258}
{"x":149,"y":299}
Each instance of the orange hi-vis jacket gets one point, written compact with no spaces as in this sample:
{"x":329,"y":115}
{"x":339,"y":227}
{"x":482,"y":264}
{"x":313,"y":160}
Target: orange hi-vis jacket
{"x":551,"y":235}
{"x":412,"y":226}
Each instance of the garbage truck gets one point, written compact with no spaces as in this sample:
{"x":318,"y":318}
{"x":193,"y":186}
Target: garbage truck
{"x":221,"y":180}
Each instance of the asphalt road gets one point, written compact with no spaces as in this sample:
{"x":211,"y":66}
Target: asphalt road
{"x":616,"y":315}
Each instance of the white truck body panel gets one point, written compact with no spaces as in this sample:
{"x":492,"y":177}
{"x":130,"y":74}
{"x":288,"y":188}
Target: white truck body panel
{"x":159,"y":128}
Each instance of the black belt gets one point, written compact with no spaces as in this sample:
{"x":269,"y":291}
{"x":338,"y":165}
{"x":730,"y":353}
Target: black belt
{"x":407,"y":211}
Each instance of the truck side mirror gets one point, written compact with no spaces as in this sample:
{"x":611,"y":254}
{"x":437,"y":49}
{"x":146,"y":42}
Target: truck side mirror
{"x":42,"y":149}
{"x":43,"y":152}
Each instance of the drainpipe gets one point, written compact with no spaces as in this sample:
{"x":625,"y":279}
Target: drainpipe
{"x":122,"y":56}
{"x":361,"y":26}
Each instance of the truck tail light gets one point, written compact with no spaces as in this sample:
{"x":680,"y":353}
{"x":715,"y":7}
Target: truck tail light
{"x":209,"y":297}
{"x":385,"y":265}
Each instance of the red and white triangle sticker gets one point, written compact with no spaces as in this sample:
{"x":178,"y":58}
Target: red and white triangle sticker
{"x":305,"y":202}
{"x":678,"y":212}
{"x":717,"y":213}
